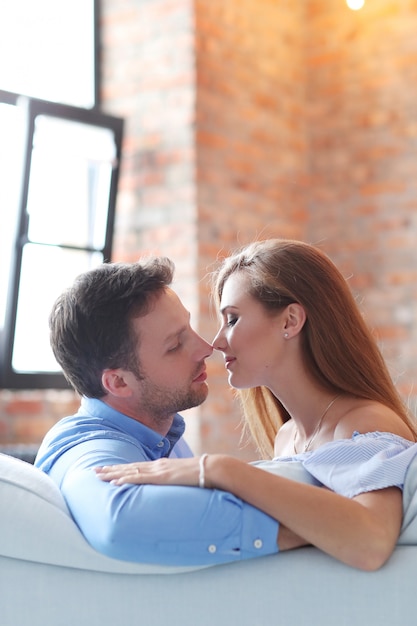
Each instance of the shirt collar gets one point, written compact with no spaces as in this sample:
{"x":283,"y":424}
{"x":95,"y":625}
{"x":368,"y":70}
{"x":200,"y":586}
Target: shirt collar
{"x":155,"y":442}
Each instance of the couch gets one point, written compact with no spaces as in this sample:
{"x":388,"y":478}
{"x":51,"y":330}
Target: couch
{"x":50,"y":576}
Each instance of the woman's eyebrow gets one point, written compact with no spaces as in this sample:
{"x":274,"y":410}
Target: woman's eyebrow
{"x":228,"y":307}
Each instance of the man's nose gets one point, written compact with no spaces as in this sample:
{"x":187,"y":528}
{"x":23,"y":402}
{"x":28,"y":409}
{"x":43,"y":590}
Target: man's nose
{"x":206,"y":348}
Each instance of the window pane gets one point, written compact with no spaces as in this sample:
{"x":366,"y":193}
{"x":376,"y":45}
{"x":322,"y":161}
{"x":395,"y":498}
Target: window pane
{"x":47,"y":50}
{"x":46,"y":272}
{"x":11,"y":133}
{"x":61,"y":188}
{"x":70,"y":181}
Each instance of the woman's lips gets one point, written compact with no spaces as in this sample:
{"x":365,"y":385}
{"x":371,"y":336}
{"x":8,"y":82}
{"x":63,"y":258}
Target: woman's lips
{"x":228,"y":361}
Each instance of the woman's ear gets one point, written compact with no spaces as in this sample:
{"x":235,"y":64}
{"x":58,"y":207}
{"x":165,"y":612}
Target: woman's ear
{"x":115,"y":383}
{"x":294,"y":320}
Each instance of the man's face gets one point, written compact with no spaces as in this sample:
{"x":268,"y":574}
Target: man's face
{"x":171,"y":357}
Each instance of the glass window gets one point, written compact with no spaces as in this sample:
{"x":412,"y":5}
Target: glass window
{"x":48,"y":49}
{"x":11,"y":133}
{"x":58,"y":222}
{"x":59,"y":159}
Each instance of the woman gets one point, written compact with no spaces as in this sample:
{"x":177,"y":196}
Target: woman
{"x":315,"y":389}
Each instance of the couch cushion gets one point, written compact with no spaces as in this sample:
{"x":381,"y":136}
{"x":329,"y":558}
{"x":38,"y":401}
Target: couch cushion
{"x":294,"y":470}
{"x":35,"y":525}
{"x":408,"y":534}
{"x":26,"y":477}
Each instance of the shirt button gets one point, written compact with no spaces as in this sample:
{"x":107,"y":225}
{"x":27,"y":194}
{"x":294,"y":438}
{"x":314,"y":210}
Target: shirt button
{"x":212,"y":549}
{"x":258,"y":543}
{"x":160,"y":444}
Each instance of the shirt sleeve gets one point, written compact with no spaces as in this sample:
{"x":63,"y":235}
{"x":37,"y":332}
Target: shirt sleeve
{"x":366,"y":462}
{"x":166,"y":525}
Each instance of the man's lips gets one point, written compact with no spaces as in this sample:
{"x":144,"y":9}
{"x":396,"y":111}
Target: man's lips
{"x":201,"y":377}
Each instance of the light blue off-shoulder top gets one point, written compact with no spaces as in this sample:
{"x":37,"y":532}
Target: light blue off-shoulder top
{"x":363,"y":463}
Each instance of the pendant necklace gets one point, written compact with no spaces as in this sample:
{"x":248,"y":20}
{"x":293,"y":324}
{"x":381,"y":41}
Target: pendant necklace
{"x":317,"y":429}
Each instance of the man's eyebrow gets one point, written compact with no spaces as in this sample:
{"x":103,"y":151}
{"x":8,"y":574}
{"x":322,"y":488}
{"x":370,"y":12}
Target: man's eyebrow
{"x":175,"y":334}
{"x":178,"y":332}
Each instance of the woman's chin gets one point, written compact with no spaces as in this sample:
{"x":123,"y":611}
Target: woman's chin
{"x":236,"y":383}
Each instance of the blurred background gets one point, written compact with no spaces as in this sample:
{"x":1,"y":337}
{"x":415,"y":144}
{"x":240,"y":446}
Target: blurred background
{"x":188,"y":128}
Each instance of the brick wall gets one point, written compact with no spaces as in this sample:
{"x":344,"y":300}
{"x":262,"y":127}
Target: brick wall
{"x":251,"y":154}
{"x":249,"y":119}
{"x":25,"y":416}
{"x":362,"y":121}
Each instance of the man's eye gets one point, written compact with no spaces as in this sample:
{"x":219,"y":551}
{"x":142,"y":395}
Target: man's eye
{"x":174,"y":348}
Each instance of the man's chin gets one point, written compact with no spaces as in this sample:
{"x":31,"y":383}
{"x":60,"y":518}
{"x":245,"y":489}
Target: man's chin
{"x":197,"y":397}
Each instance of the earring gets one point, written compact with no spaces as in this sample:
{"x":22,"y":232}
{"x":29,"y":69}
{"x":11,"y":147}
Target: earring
{"x":286,"y":335}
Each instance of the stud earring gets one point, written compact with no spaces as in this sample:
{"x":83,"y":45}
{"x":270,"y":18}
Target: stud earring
{"x":286,"y":335}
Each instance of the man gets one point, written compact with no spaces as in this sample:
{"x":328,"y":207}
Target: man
{"x":124,"y":341}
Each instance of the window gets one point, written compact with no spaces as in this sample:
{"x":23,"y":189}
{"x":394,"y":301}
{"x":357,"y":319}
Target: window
{"x":49,"y":50}
{"x":60,"y":166}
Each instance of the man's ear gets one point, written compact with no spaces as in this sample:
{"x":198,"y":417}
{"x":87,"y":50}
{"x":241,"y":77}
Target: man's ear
{"x":294,"y":319}
{"x":115,"y":383}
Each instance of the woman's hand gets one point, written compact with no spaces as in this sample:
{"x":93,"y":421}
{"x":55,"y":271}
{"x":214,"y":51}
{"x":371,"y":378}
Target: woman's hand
{"x":160,"y":472}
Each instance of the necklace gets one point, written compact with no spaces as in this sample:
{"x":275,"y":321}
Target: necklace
{"x":317,"y":429}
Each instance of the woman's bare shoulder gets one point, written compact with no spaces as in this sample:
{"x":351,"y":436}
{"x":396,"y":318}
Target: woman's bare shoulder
{"x":366,"y":416}
{"x":284,"y":439}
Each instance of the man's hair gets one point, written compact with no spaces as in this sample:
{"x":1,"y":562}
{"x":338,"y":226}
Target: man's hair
{"x":90,"y":323}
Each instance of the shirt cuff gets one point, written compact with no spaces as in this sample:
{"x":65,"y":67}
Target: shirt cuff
{"x":259,"y":533}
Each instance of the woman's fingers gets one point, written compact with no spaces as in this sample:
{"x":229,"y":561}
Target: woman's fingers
{"x":119,"y":474}
{"x":160,"y":472}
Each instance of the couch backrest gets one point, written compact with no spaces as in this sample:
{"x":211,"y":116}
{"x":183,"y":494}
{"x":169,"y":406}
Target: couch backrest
{"x":35,"y":525}
{"x":26,"y":477}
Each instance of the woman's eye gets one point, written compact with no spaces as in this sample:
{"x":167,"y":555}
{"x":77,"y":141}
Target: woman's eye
{"x":231,"y":321}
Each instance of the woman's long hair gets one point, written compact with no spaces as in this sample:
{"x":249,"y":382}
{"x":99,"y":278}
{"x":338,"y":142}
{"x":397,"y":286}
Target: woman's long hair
{"x":339,"y":350}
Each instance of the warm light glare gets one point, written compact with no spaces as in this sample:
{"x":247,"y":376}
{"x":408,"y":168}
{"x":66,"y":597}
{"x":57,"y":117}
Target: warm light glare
{"x":355,"y":5}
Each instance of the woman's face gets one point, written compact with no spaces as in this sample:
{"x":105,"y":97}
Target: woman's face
{"x":250,"y":337}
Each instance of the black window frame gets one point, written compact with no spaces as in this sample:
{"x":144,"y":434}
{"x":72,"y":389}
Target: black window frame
{"x":9,"y":378}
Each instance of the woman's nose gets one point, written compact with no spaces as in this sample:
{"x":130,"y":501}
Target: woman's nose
{"x":219,"y":341}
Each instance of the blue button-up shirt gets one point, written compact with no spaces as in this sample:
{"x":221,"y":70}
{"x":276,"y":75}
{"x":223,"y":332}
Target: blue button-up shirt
{"x":162,"y":524}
